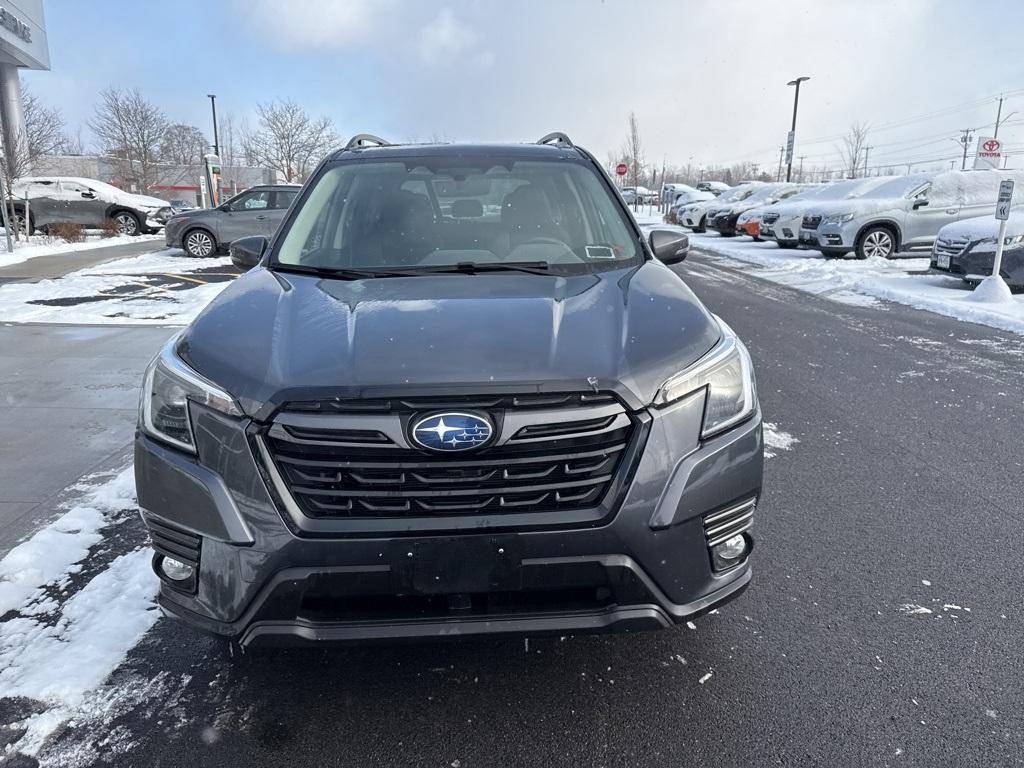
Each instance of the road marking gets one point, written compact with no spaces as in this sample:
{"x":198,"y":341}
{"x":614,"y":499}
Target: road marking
{"x":183,"y":277}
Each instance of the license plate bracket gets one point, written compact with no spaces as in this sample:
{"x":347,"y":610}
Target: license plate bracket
{"x":464,"y":564}
{"x":942,"y":261}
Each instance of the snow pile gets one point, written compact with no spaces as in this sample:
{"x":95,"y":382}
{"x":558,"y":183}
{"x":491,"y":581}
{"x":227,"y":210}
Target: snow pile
{"x":776,"y":440}
{"x":122,"y":291}
{"x":56,"y":654}
{"x":42,"y":245}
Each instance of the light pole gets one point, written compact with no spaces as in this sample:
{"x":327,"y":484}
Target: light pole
{"x":216,"y":140}
{"x":792,"y":131}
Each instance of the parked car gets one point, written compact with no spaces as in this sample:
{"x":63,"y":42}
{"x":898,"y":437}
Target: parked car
{"x":781,"y":221}
{"x":967,"y":249}
{"x":715,"y":187}
{"x":904,"y":214}
{"x":683,"y":199}
{"x":378,"y":431}
{"x":257,"y":211}
{"x":695,"y":215}
{"x":723,"y":219}
{"x":181,"y":205}
{"x":91,"y":203}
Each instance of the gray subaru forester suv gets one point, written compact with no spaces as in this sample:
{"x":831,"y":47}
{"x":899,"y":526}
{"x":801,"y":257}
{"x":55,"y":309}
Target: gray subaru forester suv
{"x":458,"y":393}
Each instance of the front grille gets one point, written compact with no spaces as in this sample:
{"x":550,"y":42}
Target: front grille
{"x":720,"y":526}
{"x":811,"y":222}
{"x":545,"y":459}
{"x":950,"y":246}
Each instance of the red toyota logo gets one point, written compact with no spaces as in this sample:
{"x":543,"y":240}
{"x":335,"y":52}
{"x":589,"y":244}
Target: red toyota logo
{"x":991,"y":145}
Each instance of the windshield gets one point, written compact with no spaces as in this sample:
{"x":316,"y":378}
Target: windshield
{"x":898,"y":187}
{"x":430,"y":212}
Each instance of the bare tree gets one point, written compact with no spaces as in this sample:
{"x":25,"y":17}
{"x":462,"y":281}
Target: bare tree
{"x":853,"y":148}
{"x":183,"y":145}
{"x":633,"y":150}
{"x":287,"y":139}
{"x":130,"y":128}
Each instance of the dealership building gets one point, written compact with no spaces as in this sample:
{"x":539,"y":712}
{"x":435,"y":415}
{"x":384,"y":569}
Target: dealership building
{"x":22,"y":46}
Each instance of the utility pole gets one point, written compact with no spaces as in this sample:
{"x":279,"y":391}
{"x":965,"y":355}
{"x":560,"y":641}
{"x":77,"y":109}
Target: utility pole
{"x":867,"y":150}
{"x":966,"y":141}
{"x":800,"y":173}
{"x":999,"y":113}
{"x":216,"y":140}
{"x":792,"y":130}
{"x":778,"y":174}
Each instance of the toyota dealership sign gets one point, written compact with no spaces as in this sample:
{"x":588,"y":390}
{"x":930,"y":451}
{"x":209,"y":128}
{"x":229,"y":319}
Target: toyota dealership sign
{"x":989,"y":152}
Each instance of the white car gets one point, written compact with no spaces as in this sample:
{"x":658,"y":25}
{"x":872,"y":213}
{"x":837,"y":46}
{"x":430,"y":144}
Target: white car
{"x":695,"y":215}
{"x":724,"y":217}
{"x":75,"y":200}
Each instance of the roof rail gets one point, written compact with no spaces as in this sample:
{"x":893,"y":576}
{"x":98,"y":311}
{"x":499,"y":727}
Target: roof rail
{"x":365,"y":139}
{"x":558,"y":139}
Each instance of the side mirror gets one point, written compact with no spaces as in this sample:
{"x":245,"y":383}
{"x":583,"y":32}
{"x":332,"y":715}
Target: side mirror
{"x":669,"y":246}
{"x":920,"y":203}
{"x":224,"y":207}
{"x":89,"y":194}
{"x":246,"y":252}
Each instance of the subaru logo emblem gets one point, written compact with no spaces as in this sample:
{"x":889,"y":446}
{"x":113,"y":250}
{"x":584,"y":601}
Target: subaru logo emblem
{"x":452,"y":431}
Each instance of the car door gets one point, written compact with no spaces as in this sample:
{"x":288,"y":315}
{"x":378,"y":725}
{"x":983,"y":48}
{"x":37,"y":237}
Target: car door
{"x":246,"y":215}
{"x":280,"y":201}
{"x":928,"y":209}
{"x":82,"y":203}
{"x":44,"y":207}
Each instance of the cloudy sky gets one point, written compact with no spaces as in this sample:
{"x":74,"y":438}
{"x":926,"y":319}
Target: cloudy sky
{"x":706,"y":78}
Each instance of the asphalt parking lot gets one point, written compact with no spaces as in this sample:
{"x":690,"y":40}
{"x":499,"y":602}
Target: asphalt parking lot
{"x":882,"y":627}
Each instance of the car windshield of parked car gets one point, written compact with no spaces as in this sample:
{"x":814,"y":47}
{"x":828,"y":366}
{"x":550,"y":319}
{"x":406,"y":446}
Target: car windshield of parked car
{"x":436,"y":212}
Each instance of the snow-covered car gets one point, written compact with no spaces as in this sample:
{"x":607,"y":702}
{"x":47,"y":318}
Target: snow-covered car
{"x":671,"y":192}
{"x":781,"y":221}
{"x":695,"y":215}
{"x":714,"y":187}
{"x":724,"y":219}
{"x":683,"y":199}
{"x":91,"y":203}
{"x":904,"y":214}
{"x":967,"y":249}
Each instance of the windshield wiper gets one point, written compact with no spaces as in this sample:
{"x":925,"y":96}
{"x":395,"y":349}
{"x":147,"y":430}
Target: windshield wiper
{"x":344,"y":273}
{"x":471,"y":267}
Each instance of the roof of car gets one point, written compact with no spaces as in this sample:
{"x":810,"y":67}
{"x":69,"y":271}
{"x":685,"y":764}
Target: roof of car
{"x":524,"y":151}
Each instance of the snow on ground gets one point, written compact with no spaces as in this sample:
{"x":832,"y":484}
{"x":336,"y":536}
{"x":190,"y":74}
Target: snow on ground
{"x":856,"y":282}
{"x":58,"y":654}
{"x":776,"y":440}
{"x":42,"y":245}
{"x":133,"y":290}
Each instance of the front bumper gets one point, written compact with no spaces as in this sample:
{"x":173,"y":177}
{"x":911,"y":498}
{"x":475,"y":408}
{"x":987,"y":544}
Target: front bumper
{"x":827,"y":237}
{"x":262,"y":581}
{"x":724,"y":224}
{"x":974,"y":265}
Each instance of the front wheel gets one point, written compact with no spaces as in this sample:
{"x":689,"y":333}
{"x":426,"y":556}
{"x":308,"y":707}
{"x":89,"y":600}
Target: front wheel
{"x":876,"y":242}
{"x":198,"y":244}
{"x":21,"y":224}
{"x":127,"y":223}
{"x":702,"y":225}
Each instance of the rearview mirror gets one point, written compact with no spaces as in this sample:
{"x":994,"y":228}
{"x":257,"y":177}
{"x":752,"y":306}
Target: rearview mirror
{"x":920,"y":203}
{"x":246,"y":252}
{"x":669,"y":245}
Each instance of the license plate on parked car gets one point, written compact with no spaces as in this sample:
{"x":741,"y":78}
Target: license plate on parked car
{"x":942,"y":261}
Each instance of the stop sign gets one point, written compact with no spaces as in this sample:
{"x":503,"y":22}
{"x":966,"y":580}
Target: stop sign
{"x":620,"y":169}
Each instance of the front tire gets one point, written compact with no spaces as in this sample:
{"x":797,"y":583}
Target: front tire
{"x":19,"y":223}
{"x":702,"y":225}
{"x":127,"y":223}
{"x":199,"y":244}
{"x":876,"y":242}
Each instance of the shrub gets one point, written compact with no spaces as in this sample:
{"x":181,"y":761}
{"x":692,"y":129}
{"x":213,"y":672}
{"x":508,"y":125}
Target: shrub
{"x":69,"y":233}
{"x":108,"y":228}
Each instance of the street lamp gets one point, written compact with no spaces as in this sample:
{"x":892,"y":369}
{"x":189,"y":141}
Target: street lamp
{"x":213,"y":105}
{"x":792,"y":131}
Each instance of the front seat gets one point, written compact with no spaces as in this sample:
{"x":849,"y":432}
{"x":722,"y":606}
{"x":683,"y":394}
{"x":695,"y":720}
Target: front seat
{"x":526,"y":215}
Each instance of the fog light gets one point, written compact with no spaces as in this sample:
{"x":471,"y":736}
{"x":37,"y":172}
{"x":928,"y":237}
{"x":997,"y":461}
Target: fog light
{"x":730,"y":552}
{"x":175,"y":570}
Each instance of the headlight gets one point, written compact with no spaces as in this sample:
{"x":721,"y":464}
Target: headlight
{"x":167,"y":388}
{"x":838,"y":218}
{"x":727,"y":374}
{"x":1013,"y":240}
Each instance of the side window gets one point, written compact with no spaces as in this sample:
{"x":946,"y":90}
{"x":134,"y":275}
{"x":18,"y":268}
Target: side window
{"x":73,"y":188}
{"x":252,"y":201}
{"x":283,"y":198}
{"x":943,"y":191}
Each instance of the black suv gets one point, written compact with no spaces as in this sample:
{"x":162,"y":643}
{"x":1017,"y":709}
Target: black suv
{"x":459,"y":392}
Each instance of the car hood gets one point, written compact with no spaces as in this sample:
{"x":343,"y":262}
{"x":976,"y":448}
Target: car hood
{"x":983,"y":227}
{"x":274,"y":337}
{"x":144,"y":201}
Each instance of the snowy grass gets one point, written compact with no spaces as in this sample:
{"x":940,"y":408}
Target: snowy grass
{"x":121,"y":292}
{"x":856,"y":282}
{"x":43,"y":245}
{"x":59,"y":655}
